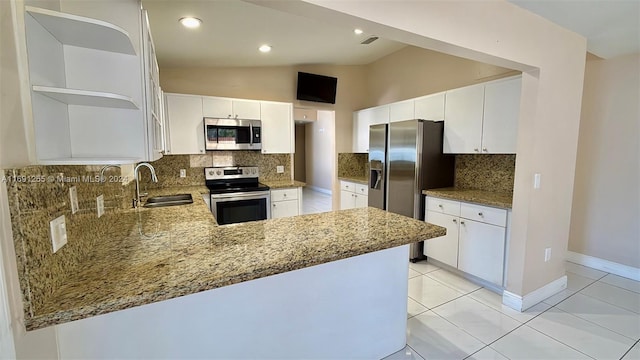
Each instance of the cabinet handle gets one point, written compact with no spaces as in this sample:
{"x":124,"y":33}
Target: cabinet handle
{"x":201,"y":151}
{"x":462,"y":222}
{"x":485,"y":149}
{"x":440,"y":206}
{"x":284,"y":195}
{"x":274,"y":205}
{"x":229,"y":116}
{"x":304,"y":116}
{"x":455,"y":221}
{"x":480,"y":214}
{"x":476,"y":150}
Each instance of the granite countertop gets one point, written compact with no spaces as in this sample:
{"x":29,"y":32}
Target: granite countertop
{"x":279,"y":184}
{"x":180,"y":250}
{"x":359,"y":180}
{"x":489,"y":198}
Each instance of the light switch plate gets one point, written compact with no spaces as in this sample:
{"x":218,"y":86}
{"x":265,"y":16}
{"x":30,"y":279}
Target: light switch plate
{"x":183,"y":173}
{"x":536,"y":181}
{"x":100,"y":205}
{"x":279,"y":169}
{"x":73,"y":196}
{"x":58,"y":232}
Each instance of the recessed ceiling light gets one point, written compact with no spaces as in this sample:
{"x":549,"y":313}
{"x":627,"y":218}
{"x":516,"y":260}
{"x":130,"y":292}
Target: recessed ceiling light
{"x":357,"y":31}
{"x":190,"y":22}
{"x":265,"y":48}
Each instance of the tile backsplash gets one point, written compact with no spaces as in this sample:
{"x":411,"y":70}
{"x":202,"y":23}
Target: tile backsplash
{"x":353,"y":165}
{"x":37,"y":195}
{"x":485,"y":172}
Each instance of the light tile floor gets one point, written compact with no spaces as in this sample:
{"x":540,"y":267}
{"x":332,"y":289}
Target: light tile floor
{"x":315,"y":201}
{"x":596,"y":317}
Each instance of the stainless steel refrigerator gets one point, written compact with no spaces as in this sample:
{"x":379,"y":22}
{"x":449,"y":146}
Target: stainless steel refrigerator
{"x":404,"y":159}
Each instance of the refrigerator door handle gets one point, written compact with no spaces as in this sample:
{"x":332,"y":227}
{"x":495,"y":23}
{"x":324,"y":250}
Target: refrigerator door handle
{"x":378,"y":178}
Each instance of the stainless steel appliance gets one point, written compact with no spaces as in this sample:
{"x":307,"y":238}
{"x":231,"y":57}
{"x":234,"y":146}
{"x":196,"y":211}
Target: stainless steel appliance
{"x":236,"y":194}
{"x":404,"y":159}
{"x":232,"y":134}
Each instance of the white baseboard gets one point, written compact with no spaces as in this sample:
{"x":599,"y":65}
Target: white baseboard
{"x":626,"y":271}
{"x":522,"y":303}
{"x":319,"y":189}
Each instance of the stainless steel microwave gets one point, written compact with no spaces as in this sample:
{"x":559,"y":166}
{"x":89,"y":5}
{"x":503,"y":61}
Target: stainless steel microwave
{"x":232,"y":134}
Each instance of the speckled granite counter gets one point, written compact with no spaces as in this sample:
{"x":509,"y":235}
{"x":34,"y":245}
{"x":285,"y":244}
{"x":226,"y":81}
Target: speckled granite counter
{"x":489,"y":198}
{"x":359,"y":180}
{"x":176,"y":251}
{"x":280,"y":184}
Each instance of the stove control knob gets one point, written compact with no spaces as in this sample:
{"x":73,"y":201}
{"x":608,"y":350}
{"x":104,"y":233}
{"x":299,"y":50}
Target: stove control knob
{"x":218,"y":172}
{"x":210,"y":172}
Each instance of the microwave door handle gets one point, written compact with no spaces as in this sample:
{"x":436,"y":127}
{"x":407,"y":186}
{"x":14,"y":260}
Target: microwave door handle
{"x":250,"y":134}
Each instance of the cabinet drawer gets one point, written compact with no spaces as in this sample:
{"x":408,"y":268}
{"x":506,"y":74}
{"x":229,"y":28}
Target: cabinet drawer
{"x":284,"y":194}
{"x":348,"y":186}
{"x":443,"y":206}
{"x":484,"y":214}
{"x":361,"y":189}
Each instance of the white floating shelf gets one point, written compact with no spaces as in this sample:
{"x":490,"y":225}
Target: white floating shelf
{"x":82,"y":31}
{"x":87,"y":98}
{"x":88,"y":161}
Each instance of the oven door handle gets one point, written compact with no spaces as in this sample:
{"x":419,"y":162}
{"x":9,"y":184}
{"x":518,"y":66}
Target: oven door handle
{"x":241,"y":195}
{"x":250,"y":134}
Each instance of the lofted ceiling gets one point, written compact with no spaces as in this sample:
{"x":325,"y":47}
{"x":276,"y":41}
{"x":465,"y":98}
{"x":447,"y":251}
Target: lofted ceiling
{"x":232,"y":31}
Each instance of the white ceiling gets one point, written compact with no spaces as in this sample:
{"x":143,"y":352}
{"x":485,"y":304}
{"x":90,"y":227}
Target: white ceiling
{"x":232,"y":31}
{"x":612,"y":27}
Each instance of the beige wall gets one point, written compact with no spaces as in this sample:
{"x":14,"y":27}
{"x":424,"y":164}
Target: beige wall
{"x":553,"y":59}
{"x":321,"y":162}
{"x":412,"y":72}
{"x":605,"y":221}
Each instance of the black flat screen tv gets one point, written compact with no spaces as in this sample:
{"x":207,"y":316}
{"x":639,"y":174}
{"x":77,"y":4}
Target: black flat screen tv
{"x":317,"y":88}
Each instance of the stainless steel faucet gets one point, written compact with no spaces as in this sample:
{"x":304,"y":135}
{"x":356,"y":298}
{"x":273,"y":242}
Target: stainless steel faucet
{"x":102,"y":179}
{"x":154,"y":178}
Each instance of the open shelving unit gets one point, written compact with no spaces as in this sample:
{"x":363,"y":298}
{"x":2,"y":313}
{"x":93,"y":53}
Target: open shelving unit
{"x":86,"y":98}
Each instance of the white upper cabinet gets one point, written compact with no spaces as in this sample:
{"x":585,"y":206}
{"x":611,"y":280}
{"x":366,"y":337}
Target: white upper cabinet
{"x":501,"y":111}
{"x":225,"y":108}
{"x":378,"y":115}
{"x":362,"y":120}
{"x":483,"y":118}
{"x":185,"y":133}
{"x":463,"y":120}
{"x":94,"y":91}
{"x":277,"y":127}
{"x":402,"y":110}
{"x":153,"y":95}
{"x":430,"y":107}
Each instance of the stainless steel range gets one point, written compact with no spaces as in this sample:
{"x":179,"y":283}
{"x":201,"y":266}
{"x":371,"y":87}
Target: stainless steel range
{"x":237,"y":195}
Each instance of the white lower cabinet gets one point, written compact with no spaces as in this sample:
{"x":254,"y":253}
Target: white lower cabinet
{"x":285,"y":202}
{"x":475,"y":240}
{"x":353,"y":195}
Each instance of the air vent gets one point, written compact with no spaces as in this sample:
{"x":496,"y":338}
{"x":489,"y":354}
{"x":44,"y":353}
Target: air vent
{"x":369,"y":40}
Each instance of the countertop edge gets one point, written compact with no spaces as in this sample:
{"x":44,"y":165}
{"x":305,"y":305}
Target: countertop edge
{"x":464,"y":196}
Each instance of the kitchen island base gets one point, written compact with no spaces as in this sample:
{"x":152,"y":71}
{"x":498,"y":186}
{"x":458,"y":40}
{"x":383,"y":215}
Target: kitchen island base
{"x":355,"y":308}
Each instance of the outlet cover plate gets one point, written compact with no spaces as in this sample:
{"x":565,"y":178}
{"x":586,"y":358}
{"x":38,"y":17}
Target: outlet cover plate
{"x":58,"y":232}
{"x":279,"y":169}
{"x":183,"y":173}
{"x":73,"y":197}
{"x":100,"y":205}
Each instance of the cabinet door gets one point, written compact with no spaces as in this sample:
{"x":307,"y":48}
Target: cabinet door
{"x":347,"y":200}
{"x":400,"y":111}
{"x":361,"y":201}
{"x":430,"y":107}
{"x":481,"y":250}
{"x":186,"y":131}
{"x":379,"y":115}
{"x":286,"y":208}
{"x":463,"y":120}
{"x":277,"y":128}
{"x":443,"y":248}
{"x":501,"y":113}
{"x":246,"y":109}
{"x":305,"y":115}
{"x":213,"y":107}
{"x":361,"y":131}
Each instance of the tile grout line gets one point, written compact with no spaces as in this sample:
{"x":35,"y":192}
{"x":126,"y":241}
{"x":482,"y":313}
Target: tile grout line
{"x":604,"y":301}
{"x":591,"y":322}
{"x":625,"y":354}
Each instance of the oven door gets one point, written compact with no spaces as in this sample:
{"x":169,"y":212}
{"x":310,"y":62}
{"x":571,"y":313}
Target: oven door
{"x":232,"y":134}
{"x":240,"y":207}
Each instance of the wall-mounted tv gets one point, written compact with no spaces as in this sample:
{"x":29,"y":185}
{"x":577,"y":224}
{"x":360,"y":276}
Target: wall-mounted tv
{"x":318,"y":88}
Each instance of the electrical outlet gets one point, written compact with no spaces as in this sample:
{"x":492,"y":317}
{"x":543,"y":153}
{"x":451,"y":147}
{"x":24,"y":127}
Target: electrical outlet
{"x":547,"y":254}
{"x":536,"y":181}
{"x":73,"y":195}
{"x":100,"y":205}
{"x":183,"y":173}
{"x":279,"y":169}
{"x":58,"y":232}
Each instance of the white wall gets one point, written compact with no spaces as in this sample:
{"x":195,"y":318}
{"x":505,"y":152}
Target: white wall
{"x":321,"y":153}
{"x":502,"y":34}
{"x":605,"y":221}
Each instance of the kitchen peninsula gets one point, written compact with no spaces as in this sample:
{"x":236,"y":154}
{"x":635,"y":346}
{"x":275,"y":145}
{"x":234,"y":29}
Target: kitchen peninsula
{"x":315,"y":286}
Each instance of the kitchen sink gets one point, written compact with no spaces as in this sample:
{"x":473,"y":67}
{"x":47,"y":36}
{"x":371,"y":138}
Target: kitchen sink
{"x":168,"y":200}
